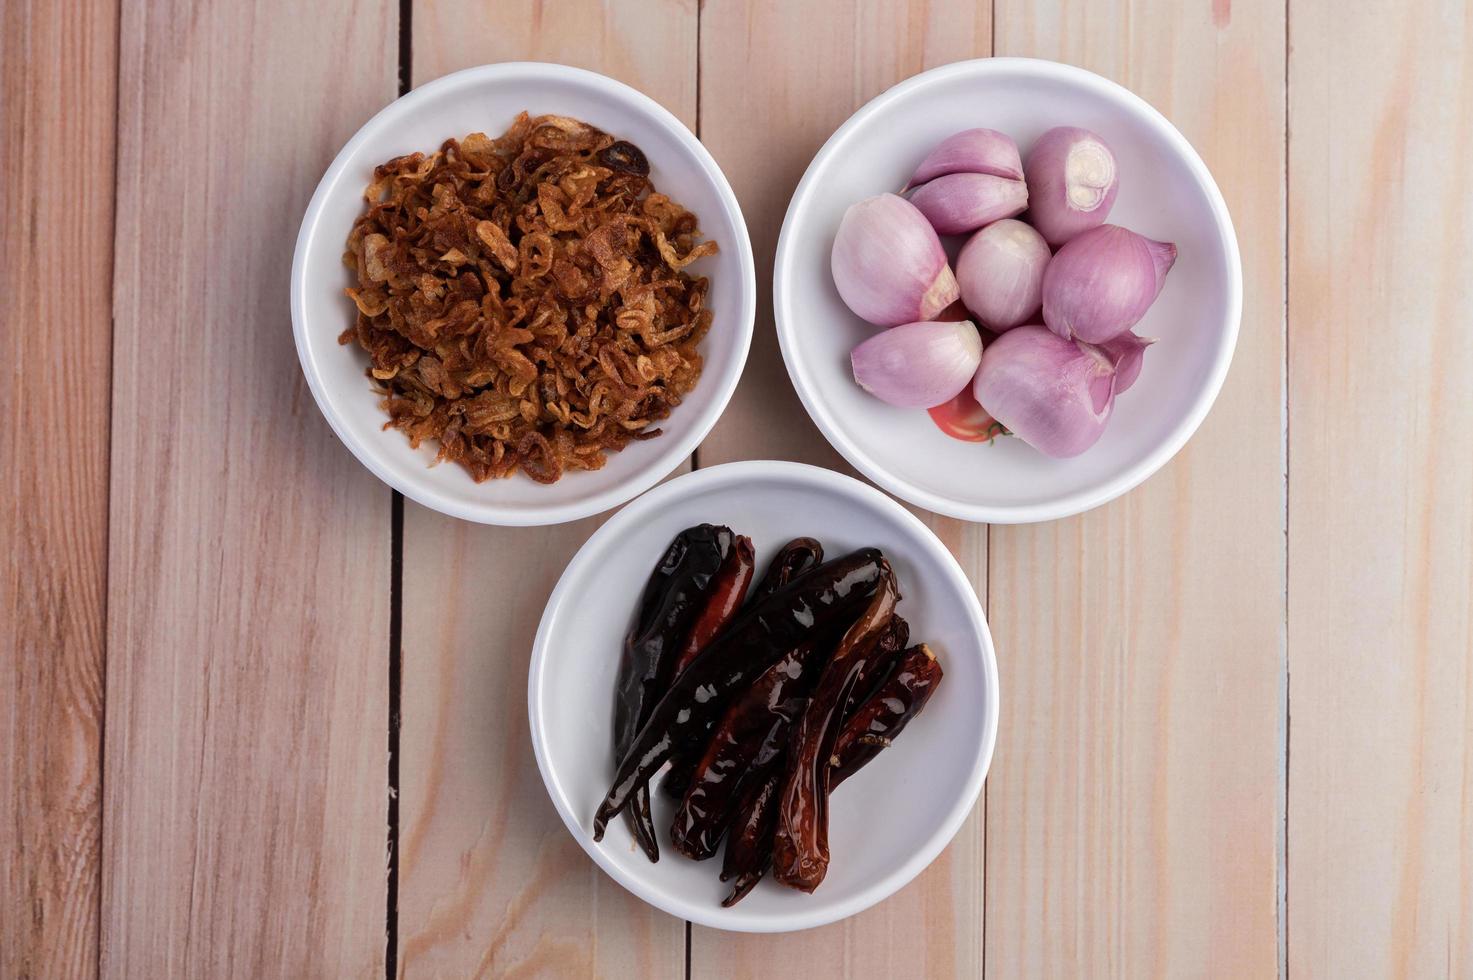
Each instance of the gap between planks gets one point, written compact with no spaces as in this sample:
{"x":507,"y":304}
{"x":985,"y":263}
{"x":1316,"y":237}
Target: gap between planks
{"x":396,"y":610}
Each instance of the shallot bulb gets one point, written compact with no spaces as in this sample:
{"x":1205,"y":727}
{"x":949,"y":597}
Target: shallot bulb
{"x":971,"y":179}
{"x":1072,"y":182}
{"x":1102,"y":282}
{"x":888,"y":264}
{"x":918,"y":365}
{"x":1054,"y":394}
{"x":958,"y":203}
{"x":1000,"y":271}
{"x":972,"y":151}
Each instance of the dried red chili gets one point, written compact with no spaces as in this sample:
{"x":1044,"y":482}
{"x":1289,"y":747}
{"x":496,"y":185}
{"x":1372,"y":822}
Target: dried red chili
{"x":760,"y":636}
{"x":725,"y":600}
{"x":792,"y":559}
{"x":750,"y":737}
{"x":879,"y":721}
{"x":748,"y":854}
{"x":672,"y":599}
{"x":884,"y":715}
{"x":800,"y":843}
{"x":878,"y":667}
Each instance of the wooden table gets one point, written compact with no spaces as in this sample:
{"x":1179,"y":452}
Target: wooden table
{"x":260,"y":717}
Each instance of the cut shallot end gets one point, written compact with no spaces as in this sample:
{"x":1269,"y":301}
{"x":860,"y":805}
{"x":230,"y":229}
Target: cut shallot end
{"x":888,"y":264}
{"x":943,"y":292}
{"x":1072,"y":182}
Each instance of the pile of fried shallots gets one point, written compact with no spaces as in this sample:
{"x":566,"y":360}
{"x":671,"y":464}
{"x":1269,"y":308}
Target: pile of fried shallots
{"x":523,"y":300}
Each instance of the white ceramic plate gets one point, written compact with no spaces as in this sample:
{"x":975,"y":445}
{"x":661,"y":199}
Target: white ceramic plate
{"x":487,"y":99}
{"x":887,"y":822}
{"x":1165,"y":193}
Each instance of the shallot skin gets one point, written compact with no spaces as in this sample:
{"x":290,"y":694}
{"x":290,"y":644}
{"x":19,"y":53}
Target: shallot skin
{"x":1102,"y":282}
{"x":918,"y":365}
{"x":888,"y":265}
{"x":1128,"y":352}
{"x":959,"y":203}
{"x":1054,"y":394}
{"x":972,"y":151}
{"x":1000,"y":271}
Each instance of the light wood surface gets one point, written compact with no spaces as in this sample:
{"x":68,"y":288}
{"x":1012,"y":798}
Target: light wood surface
{"x":245,"y":784}
{"x":1237,"y":736}
{"x":1380,"y":521}
{"x":58,"y":71}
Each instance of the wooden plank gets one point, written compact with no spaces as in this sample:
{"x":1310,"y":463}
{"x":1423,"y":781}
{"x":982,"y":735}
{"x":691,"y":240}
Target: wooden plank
{"x":1135,"y":805}
{"x":247,"y":696}
{"x":782,"y":77}
{"x":1381,"y":491}
{"x":490,"y":882}
{"x":58,"y":73}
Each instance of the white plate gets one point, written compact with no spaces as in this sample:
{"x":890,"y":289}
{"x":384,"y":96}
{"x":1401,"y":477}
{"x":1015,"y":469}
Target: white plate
{"x":487,"y":99}
{"x":891,"y":819}
{"x":1165,"y":193}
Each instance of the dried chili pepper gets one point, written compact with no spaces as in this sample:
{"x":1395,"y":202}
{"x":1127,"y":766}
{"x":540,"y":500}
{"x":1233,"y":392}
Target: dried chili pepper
{"x":749,"y":843}
{"x":724,"y":602}
{"x":801,"y":842}
{"x":879,"y":667}
{"x":792,"y":559}
{"x":751,"y":735}
{"x":759,"y":637}
{"x":672,"y":598}
{"x":881,"y":718}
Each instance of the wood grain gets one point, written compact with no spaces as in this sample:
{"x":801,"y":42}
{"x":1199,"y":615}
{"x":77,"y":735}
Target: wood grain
{"x":1381,"y":491}
{"x":58,"y":72}
{"x":1135,"y":804}
{"x":803,"y":70}
{"x":490,"y":882}
{"x":247,"y":701}
{"x":172,"y":497}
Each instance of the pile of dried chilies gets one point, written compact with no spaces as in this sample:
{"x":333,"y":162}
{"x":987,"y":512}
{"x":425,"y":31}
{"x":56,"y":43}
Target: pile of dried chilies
{"x":761,"y":707}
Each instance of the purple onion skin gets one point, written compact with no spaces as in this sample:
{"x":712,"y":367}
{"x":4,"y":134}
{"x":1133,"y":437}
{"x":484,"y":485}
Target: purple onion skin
{"x":1049,"y":183}
{"x":1102,"y":282}
{"x":972,"y":151}
{"x":1000,"y":271}
{"x":888,"y":265}
{"x":958,"y":203}
{"x":1054,"y":394}
{"x":1128,"y":353}
{"x":918,"y":365}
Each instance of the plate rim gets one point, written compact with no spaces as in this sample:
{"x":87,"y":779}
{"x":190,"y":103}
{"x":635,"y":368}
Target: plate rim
{"x":524,"y":72}
{"x":823,"y":481}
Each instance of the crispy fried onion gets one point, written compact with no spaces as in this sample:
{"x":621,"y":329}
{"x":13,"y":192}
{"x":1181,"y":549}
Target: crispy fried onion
{"x":523,"y":300}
